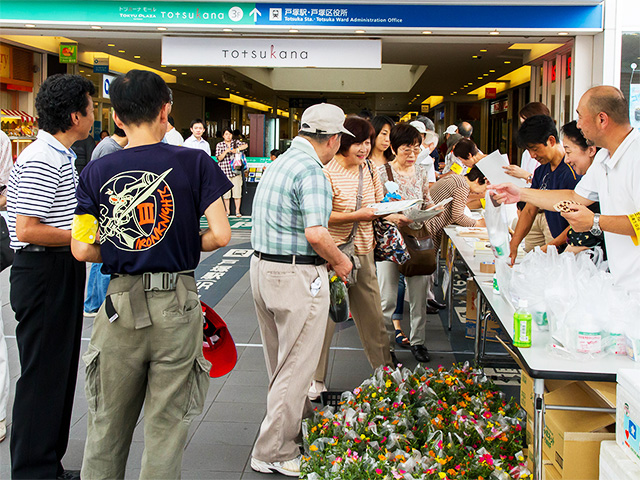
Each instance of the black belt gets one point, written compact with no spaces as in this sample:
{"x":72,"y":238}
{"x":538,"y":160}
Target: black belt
{"x":297,"y":259}
{"x":40,"y":248}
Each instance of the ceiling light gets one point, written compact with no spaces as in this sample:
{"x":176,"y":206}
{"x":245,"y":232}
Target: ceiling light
{"x":483,"y":50}
{"x":479,"y":78}
{"x":226,"y":88}
{"x":96,"y":27}
{"x":81,"y":71}
{"x":30,"y":25}
{"x":293,"y":30}
{"x":162,"y":29}
{"x":208,"y":81}
{"x":507,"y":61}
{"x":485,"y":74}
{"x":455,"y":92}
{"x":427,"y":32}
{"x":136,"y":56}
{"x":563,"y":33}
{"x":215,"y":84}
{"x":183,"y":73}
{"x":201,"y":79}
{"x":360,"y":31}
{"x":227,"y":30}
{"x":163,"y":66}
{"x":492,"y":71}
{"x":174,"y":69}
{"x":495,"y":32}
{"x":111,"y":44}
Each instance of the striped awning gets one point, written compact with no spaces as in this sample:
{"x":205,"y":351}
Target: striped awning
{"x":24,"y":116}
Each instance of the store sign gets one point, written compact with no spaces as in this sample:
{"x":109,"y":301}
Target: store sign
{"x":101,"y":65}
{"x":68,"y":53}
{"x":271,"y":52}
{"x":5,"y":59}
{"x":106,"y":83}
{"x":464,"y":16}
{"x":490,"y":92}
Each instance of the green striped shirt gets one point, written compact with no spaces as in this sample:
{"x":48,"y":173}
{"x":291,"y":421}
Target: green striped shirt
{"x":293,"y":194}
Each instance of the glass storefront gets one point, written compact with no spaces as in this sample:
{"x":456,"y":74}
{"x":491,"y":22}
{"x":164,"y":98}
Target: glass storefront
{"x":630,"y":74}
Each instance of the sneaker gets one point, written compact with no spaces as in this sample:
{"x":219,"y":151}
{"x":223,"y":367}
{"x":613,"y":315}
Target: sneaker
{"x":90,"y":314}
{"x":316,"y":389}
{"x":3,"y":429}
{"x":290,"y":468}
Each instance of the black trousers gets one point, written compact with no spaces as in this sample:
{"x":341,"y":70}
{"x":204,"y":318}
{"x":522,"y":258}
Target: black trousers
{"x":47,"y":292}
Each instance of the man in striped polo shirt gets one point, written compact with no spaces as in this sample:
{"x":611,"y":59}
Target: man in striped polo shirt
{"x":47,"y":283}
{"x":290,"y":282}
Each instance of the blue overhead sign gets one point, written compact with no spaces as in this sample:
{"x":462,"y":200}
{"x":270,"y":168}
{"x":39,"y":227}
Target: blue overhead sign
{"x":431,"y":16}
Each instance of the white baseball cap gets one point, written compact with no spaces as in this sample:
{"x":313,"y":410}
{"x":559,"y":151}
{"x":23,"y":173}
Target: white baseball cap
{"x":451,"y":129}
{"x":419,"y":126}
{"x":323,"y":118}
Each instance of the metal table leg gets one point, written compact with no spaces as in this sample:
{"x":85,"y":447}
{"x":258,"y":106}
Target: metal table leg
{"x":538,"y":426}
{"x":479,"y":324}
{"x":450,"y":291}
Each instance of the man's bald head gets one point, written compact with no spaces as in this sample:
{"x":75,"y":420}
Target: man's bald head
{"x":609,"y":100}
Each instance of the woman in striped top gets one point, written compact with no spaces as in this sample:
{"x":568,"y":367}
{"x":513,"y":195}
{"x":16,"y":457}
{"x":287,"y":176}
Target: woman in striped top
{"x":459,"y":187}
{"x":343,"y":172}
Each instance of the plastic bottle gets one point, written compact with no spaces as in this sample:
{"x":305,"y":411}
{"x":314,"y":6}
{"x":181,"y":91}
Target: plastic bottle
{"x":496,"y":287}
{"x":522,"y":325}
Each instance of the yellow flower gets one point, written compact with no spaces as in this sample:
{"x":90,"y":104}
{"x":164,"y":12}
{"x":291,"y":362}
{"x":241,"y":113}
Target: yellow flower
{"x":442,"y":475}
{"x":373,"y":395}
{"x":313,"y":448}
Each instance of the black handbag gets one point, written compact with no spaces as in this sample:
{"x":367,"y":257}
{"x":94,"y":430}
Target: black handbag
{"x":6,"y":252}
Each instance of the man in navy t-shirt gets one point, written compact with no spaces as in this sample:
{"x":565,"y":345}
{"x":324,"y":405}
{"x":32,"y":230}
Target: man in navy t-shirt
{"x":539,"y":135}
{"x":138,"y":213}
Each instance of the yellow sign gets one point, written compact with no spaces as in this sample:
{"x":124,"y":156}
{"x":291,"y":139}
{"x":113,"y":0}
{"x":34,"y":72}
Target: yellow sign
{"x":5,"y":59}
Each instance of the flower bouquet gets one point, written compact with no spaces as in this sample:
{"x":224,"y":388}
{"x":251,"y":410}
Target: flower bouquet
{"x":422,"y":424}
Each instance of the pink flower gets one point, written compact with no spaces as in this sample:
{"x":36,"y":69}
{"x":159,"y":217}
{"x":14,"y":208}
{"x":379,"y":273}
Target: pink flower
{"x":379,"y":471}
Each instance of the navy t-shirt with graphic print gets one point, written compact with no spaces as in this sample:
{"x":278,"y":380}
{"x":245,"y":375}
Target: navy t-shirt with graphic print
{"x":562,"y":178}
{"x":149,"y":201}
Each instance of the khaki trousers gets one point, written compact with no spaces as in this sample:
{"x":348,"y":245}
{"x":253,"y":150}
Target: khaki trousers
{"x":365,"y":306}
{"x":388,"y":276}
{"x":539,"y":234}
{"x":292,"y":305}
{"x":160,"y":365}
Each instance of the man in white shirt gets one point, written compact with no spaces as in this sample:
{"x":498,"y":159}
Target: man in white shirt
{"x":173,"y":137}
{"x":603,"y":117}
{"x":196,"y":140}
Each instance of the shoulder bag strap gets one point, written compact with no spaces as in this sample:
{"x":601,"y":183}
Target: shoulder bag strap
{"x":387,"y":167}
{"x":358,"y":204}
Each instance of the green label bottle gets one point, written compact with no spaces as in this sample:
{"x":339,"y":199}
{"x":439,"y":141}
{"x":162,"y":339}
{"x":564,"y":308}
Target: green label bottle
{"x":522,"y":325}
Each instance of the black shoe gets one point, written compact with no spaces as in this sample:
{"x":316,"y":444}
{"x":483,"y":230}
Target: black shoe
{"x":436,"y":304}
{"x":394,"y":359}
{"x":70,"y":475}
{"x":432,"y":310}
{"x":420,"y":353}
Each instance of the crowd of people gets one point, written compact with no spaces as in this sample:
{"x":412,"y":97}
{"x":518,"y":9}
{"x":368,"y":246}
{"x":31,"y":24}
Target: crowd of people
{"x":311,"y":203}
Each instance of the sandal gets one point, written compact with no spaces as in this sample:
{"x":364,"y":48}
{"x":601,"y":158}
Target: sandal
{"x":401,"y":339}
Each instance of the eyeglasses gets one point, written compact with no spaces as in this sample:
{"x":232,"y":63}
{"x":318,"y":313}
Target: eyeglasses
{"x":409,"y":150}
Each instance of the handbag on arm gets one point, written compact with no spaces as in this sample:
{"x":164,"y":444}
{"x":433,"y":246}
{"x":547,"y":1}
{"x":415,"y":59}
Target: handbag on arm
{"x":422,"y":253}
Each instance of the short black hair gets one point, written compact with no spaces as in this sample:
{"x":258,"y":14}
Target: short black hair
{"x":104,"y":131}
{"x":119,"y":132}
{"x":138,"y":96}
{"x":59,"y":96}
{"x":475,"y":174}
{"x":464,"y":148}
{"x":171,"y":121}
{"x":361,"y":129}
{"x":573,"y":133}
{"x":227,"y":130}
{"x":195,"y":121}
{"x":536,"y":130}
{"x":275,"y":152}
{"x":404,"y":134}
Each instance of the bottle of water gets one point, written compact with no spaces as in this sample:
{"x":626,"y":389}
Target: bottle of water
{"x":522,"y":325}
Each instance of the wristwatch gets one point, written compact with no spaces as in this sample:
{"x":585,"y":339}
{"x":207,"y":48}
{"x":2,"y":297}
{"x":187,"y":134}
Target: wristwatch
{"x":595,"y":228}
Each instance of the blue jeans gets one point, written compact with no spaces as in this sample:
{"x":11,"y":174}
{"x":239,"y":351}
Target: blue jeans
{"x":397,"y":315}
{"x":96,"y":288}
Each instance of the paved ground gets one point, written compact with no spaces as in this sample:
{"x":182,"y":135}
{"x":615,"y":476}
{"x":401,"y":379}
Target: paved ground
{"x":221,"y":438}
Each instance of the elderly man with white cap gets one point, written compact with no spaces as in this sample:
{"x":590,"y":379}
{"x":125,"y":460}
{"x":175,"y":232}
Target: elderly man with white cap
{"x":290,"y":282}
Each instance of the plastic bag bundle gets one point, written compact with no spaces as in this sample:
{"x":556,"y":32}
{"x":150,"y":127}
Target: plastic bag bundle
{"x":496,"y":219}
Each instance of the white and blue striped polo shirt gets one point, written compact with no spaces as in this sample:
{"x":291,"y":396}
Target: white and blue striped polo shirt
{"x":43,"y":184}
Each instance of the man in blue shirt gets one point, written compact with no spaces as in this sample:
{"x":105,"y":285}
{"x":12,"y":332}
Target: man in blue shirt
{"x":139,"y":213}
{"x":539,"y":135}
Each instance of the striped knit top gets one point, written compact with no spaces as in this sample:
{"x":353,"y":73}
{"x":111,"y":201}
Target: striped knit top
{"x":344,"y":185}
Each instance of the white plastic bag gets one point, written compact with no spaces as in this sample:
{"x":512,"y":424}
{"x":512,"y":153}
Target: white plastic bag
{"x":495,"y":216}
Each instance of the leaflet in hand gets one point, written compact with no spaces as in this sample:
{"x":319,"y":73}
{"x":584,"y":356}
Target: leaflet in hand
{"x":394,"y":207}
{"x":491,"y":167}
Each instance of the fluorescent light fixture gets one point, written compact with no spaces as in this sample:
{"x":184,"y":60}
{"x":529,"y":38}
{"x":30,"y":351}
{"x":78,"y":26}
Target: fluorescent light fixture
{"x":563,"y":33}
{"x":507,"y":62}
{"x":96,"y":27}
{"x":483,"y":50}
{"x":121,"y":51}
{"x":494,"y":32}
{"x":136,"y":56}
{"x":183,"y":73}
{"x":293,"y":30}
{"x":162,"y":29}
{"x":29,"y":25}
{"x":360,"y":31}
{"x":111,"y":44}
{"x":227,"y":30}
{"x":427,"y":32}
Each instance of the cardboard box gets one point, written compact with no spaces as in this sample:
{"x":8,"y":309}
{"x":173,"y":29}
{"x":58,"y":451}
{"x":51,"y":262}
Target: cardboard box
{"x":526,"y":391}
{"x":545,"y":459}
{"x":551,"y":473}
{"x":572,"y":439}
{"x":487,"y":267}
{"x":472,"y":299}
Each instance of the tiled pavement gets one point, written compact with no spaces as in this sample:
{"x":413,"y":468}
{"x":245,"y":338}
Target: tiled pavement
{"x":221,"y":439}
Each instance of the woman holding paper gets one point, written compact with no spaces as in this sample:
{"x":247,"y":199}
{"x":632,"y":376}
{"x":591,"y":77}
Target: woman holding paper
{"x":402,"y":176}
{"x":348,"y":172}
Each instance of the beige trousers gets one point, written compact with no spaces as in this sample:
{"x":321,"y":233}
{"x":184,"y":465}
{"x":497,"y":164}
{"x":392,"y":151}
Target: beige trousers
{"x":160,"y":365}
{"x":539,"y":234}
{"x":365,"y":306}
{"x":292,"y":305}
